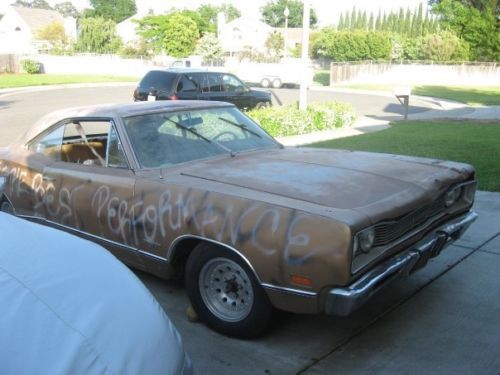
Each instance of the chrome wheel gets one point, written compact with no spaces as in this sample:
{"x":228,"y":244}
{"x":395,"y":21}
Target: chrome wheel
{"x":226,"y":289}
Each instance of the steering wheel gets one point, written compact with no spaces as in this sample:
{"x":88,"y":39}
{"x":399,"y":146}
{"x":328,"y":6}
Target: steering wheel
{"x":232,"y":136}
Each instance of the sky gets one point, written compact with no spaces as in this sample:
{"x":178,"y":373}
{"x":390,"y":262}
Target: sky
{"x":328,"y":11}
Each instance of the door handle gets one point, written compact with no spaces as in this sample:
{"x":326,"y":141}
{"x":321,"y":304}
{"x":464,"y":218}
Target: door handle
{"x":49,"y":179}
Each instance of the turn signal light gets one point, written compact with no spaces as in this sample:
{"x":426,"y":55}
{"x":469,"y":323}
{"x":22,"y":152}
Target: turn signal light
{"x":300,"y":280}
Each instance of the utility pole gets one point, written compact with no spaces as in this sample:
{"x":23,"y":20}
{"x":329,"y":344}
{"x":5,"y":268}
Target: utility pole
{"x":305,"y":55}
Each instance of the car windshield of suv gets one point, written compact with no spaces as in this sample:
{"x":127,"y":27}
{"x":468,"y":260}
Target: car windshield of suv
{"x":169,"y":138}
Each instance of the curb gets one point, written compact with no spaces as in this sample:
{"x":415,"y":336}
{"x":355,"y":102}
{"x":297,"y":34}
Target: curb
{"x":19,"y":90}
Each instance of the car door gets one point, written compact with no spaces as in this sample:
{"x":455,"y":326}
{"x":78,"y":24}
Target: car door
{"x":188,"y":87}
{"x":27,"y":189}
{"x":92,"y":187}
{"x":236,"y":91}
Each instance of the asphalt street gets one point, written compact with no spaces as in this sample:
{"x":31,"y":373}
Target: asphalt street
{"x":444,"y":319}
{"x":19,"y":110}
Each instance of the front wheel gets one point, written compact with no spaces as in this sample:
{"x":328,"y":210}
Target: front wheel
{"x":225,"y":293}
{"x":6,"y":207}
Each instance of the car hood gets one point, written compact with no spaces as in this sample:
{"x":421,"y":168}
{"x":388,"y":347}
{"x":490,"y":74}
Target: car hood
{"x":369,"y":182}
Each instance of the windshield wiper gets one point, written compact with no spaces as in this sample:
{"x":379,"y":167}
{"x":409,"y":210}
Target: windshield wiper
{"x":192,"y":131}
{"x":241,"y":126}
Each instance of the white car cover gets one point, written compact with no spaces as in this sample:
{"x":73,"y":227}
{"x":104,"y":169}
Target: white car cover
{"x":70,"y":307}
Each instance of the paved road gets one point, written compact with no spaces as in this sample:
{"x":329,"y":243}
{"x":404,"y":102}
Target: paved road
{"x":444,"y":319}
{"x":18,"y":111}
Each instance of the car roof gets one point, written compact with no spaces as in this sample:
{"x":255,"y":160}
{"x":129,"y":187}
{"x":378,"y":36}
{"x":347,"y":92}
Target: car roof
{"x":185,"y":70}
{"x":114,"y":110}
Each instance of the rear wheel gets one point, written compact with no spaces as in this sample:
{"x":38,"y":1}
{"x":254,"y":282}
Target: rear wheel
{"x":265,"y":83}
{"x":225,"y":293}
{"x":277,"y":83}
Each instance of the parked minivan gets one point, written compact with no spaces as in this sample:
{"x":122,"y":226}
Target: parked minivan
{"x":198,"y":84}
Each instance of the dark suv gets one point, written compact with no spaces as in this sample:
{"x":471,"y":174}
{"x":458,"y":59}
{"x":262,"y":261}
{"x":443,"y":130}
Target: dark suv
{"x":197,"y":84}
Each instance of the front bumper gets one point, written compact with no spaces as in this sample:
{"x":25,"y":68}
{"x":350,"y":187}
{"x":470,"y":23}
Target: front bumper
{"x":345,"y":300}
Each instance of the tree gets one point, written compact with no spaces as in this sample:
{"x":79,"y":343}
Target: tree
{"x":475,"y":21}
{"x":36,"y":4}
{"x":98,"y":35}
{"x":341,"y":25}
{"x":53,"y":33}
{"x":371,"y":23}
{"x":174,"y":33}
{"x":445,"y":46}
{"x":274,"y":45}
{"x":67,"y":9}
{"x":209,"y":14}
{"x":272,"y":13}
{"x":209,"y":48}
{"x":117,"y":10}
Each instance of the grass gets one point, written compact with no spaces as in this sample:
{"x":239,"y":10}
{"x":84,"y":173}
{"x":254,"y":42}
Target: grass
{"x":472,"y":95}
{"x":472,"y":143}
{"x":23,"y":80}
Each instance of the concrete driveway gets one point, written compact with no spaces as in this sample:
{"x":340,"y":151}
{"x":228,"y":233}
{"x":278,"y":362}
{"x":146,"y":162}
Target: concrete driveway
{"x":444,"y":319}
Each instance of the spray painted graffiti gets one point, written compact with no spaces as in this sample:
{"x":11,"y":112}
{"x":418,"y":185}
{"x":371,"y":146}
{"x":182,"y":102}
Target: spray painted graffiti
{"x":268,"y":229}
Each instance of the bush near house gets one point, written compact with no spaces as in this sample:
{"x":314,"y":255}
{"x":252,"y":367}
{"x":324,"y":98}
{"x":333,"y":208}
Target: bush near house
{"x":289,"y":120}
{"x":31,"y":66}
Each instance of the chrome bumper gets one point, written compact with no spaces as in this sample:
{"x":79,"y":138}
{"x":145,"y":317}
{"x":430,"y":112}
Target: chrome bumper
{"x":345,"y":300}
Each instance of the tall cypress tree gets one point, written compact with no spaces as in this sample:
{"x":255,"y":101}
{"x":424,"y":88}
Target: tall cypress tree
{"x":378,"y":22}
{"x":353,"y":19}
{"x":407,"y":23}
{"x":364,"y":21}
{"x":371,"y":24}
{"x":347,"y":20}
{"x":400,"y":21}
{"x":417,"y":23}
{"x":341,"y":26}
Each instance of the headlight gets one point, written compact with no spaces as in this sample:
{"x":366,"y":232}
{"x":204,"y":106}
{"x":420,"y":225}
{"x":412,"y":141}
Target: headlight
{"x":363,"y":241}
{"x":452,"y":196}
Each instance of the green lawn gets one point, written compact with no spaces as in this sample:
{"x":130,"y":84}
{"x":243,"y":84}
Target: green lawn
{"x":473,"y":143}
{"x":472,"y":95}
{"x":22,"y":80}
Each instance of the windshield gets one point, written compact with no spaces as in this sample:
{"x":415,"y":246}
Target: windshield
{"x":169,"y":138}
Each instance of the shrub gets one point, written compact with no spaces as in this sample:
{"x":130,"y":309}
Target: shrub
{"x":31,"y":66}
{"x":289,"y":120}
{"x":352,"y":45}
{"x":445,"y":46}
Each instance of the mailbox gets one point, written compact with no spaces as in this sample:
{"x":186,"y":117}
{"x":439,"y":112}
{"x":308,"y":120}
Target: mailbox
{"x":403,"y":93}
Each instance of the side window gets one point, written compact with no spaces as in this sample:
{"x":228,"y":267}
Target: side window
{"x":214,"y":82}
{"x":49,"y":144}
{"x":204,"y":84}
{"x":82,"y":142}
{"x":187,"y":83}
{"x":232,"y":84}
{"x":115,"y":153}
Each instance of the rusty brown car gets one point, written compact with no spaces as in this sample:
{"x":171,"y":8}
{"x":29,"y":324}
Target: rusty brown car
{"x":198,"y":189}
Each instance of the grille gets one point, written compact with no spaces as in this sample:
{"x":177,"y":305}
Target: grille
{"x":387,"y":232}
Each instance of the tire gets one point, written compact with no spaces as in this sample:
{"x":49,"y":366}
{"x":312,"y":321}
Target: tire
{"x":276,"y":83}
{"x":262,"y":105}
{"x":265,"y":83}
{"x":225,"y":293}
{"x":6,"y":207}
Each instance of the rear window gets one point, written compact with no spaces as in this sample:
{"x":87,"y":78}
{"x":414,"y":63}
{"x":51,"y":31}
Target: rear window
{"x":159,"y":80}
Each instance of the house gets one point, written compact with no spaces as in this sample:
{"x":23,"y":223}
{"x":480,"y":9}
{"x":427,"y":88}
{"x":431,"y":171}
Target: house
{"x":19,"y":26}
{"x":242,"y":33}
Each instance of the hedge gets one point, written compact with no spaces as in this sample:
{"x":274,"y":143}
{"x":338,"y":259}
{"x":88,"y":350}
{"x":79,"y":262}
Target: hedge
{"x":289,"y":120}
